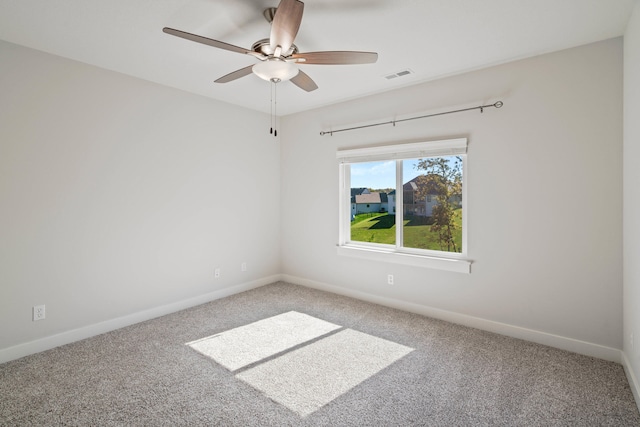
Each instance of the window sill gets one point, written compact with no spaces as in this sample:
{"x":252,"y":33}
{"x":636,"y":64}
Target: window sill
{"x":441,"y":263}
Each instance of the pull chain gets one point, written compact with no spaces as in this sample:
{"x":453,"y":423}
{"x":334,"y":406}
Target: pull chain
{"x":271,"y":106}
{"x":273,"y":116}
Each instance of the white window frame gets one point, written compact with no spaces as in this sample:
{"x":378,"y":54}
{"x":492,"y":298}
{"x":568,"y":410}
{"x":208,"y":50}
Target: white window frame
{"x":450,"y":261}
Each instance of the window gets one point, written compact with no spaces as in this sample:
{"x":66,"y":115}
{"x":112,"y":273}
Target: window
{"x":405,"y":203}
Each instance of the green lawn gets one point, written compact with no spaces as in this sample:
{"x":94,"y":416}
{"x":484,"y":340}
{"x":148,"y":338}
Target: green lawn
{"x":378,"y":229}
{"x":381,"y":228}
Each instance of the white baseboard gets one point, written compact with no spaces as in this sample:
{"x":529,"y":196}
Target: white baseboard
{"x":42,"y":344}
{"x":564,"y":343}
{"x":551,"y":340}
{"x":633,"y":381}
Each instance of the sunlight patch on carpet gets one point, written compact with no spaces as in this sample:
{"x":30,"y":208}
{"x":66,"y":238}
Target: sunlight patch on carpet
{"x":299,"y":361}
{"x":242,"y":346}
{"x":308,"y":378}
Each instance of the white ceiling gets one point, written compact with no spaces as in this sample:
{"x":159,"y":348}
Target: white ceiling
{"x":433,"y":38}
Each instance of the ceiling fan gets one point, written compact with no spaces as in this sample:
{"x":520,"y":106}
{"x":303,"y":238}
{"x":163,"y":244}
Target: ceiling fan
{"x":279,"y":57}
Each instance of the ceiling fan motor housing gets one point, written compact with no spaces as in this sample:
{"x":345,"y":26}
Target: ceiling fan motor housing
{"x":264,"y":47}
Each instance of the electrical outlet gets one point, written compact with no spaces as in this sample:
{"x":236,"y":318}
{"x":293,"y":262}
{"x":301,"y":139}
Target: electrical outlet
{"x":390,"y":279}
{"x":243,"y":266}
{"x":216,"y":273}
{"x":38,"y":312}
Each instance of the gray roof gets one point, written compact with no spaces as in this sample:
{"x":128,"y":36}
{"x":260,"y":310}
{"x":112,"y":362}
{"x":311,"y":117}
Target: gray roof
{"x":371,"y":198}
{"x":357,"y":191}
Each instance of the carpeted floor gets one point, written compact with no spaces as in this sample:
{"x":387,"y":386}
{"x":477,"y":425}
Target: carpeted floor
{"x":286,"y":355}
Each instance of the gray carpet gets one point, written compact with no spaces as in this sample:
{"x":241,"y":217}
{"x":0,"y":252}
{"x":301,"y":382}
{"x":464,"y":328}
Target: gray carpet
{"x":286,"y":355}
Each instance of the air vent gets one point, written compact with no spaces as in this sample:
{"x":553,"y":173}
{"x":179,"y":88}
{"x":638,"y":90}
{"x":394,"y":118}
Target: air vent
{"x":402,"y":73}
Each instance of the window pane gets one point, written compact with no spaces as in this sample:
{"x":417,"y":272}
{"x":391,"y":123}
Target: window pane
{"x":373,"y":202}
{"x":432,"y":202}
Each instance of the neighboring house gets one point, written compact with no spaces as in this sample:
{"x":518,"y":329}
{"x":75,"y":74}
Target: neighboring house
{"x":391,"y":202}
{"x":358,"y":191}
{"x":368,"y":202}
{"x":365,"y":201}
{"x":414,"y":205}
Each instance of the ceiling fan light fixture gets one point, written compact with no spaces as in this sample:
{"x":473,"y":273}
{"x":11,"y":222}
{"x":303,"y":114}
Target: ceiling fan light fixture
{"x":275,"y":70}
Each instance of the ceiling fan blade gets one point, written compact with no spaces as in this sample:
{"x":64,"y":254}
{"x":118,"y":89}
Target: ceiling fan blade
{"x":303,"y":81}
{"x":286,"y":23}
{"x":210,"y":42}
{"x":235,"y":75}
{"x":335,"y":57}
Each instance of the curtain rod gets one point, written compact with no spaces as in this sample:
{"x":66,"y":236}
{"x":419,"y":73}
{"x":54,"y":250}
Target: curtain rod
{"x":393,"y":122}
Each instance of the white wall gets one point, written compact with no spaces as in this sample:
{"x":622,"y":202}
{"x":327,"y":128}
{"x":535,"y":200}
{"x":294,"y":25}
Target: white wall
{"x":119,"y":196}
{"x":544,"y":194}
{"x":632,"y":200}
